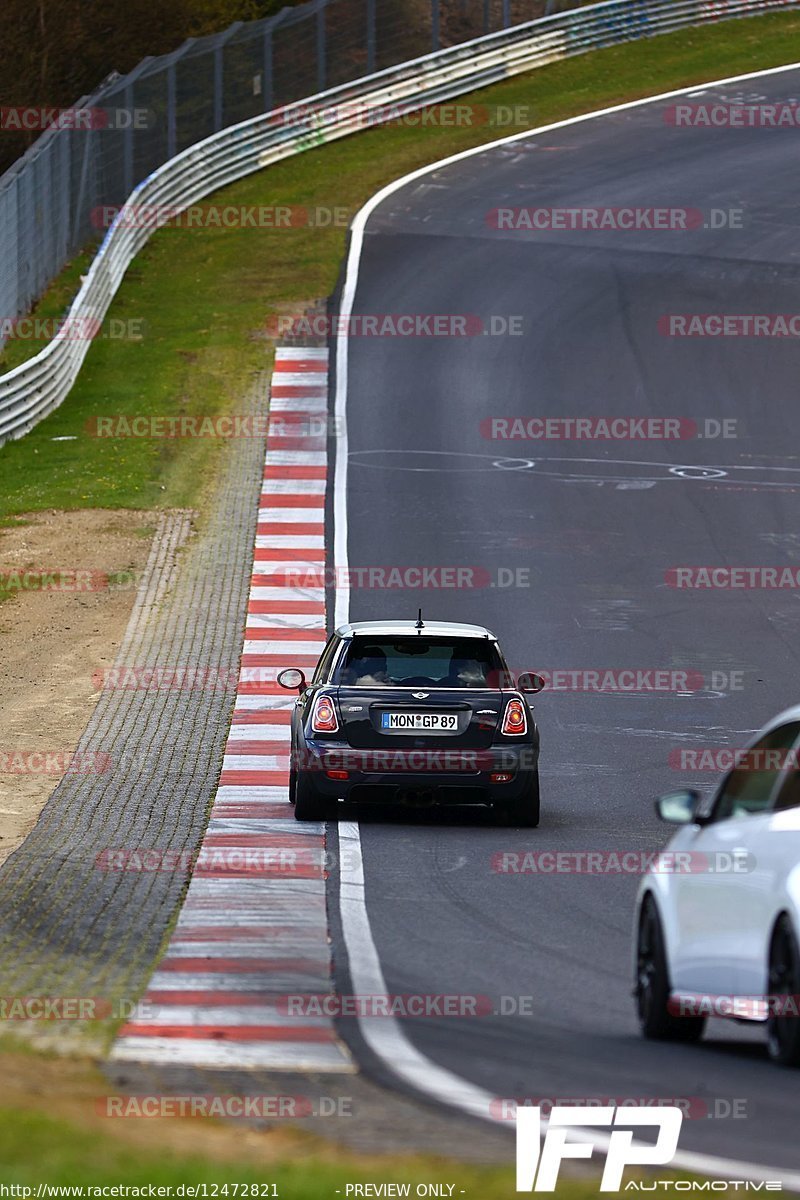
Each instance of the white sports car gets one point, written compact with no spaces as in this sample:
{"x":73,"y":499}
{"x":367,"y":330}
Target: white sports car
{"x":718,"y":915}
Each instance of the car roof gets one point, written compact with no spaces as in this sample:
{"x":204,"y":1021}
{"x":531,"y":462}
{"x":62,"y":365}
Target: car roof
{"x":786,"y":820}
{"x":441,"y":629}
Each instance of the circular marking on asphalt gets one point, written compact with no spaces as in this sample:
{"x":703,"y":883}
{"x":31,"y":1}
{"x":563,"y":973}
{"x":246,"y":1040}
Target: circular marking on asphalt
{"x":698,"y":472}
{"x":514,"y":464}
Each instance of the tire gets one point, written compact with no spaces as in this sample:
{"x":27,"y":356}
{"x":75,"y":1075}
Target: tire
{"x":524,"y":813}
{"x":308,"y":804}
{"x":653,"y":986}
{"x":783,"y":1033}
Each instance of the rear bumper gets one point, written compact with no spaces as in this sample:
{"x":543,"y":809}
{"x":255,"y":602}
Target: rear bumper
{"x":443,"y":776}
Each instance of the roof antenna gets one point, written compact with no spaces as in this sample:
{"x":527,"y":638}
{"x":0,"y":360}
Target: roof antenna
{"x":419,"y":625}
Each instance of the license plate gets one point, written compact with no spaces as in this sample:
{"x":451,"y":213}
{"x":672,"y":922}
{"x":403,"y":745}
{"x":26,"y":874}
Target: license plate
{"x":419,"y":722}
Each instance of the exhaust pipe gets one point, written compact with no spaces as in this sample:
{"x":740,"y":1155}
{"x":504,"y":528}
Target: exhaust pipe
{"x":413,"y":799}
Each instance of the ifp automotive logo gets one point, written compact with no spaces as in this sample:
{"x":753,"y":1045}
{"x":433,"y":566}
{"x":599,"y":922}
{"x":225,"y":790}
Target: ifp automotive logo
{"x":538,"y":1163}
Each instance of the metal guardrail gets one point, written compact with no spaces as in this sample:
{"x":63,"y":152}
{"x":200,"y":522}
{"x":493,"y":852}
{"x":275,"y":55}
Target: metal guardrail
{"x":33,"y":389}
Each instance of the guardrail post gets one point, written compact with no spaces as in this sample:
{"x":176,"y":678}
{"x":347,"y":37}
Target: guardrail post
{"x":370,"y":37}
{"x":322,"y":72}
{"x":435,"y":42}
{"x":485,"y":16}
{"x":506,"y":13}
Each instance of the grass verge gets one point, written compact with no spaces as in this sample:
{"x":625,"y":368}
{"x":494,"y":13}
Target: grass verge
{"x":53,"y":1131}
{"x":200,"y":298}
{"x":36,"y":1148}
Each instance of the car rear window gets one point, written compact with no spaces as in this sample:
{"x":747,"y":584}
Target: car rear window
{"x":420,"y":661}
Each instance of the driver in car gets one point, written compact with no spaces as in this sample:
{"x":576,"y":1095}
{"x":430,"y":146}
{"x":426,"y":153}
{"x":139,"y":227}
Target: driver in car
{"x":369,"y":670}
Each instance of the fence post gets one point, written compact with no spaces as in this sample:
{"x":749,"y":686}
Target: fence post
{"x":218,"y":81}
{"x":321,"y":41}
{"x":435,"y":33}
{"x":268,"y":59}
{"x":128,"y":133}
{"x":267,"y":89}
{"x":64,"y":191}
{"x":370,"y":37}
{"x":127,"y":144}
{"x":80,"y":203}
{"x":172,"y":123}
{"x":219,"y":74}
{"x":172,"y":96}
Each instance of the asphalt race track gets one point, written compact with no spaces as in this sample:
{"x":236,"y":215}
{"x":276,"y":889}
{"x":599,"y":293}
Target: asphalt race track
{"x":597,"y":525}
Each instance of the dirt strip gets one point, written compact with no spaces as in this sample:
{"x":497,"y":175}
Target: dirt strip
{"x":70,"y":580}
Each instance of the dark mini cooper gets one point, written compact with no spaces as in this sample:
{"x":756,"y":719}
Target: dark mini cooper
{"x":413,"y":713}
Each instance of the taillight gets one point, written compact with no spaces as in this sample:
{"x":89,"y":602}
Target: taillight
{"x":323,"y":718}
{"x":515,"y":720}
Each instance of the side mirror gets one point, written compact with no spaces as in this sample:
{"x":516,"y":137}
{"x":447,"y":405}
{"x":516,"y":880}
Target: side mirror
{"x":678,"y":808}
{"x":530,"y":683}
{"x":293,"y":679}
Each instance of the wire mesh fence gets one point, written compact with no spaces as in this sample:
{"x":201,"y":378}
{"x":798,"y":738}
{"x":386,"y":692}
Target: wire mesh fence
{"x":58,"y":197}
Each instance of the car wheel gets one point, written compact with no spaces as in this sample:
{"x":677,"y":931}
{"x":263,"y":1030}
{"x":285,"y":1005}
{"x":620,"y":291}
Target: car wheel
{"x":653,"y":986}
{"x":783,"y":1032}
{"x":292,"y":784}
{"x":524,"y":813}
{"x":308,"y":804}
